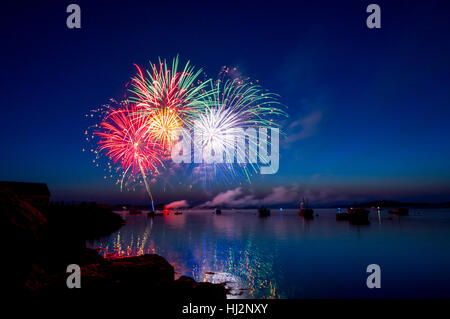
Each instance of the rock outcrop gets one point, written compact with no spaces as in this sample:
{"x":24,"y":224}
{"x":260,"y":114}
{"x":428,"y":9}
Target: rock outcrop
{"x":147,"y":275}
{"x":23,"y":230}
{"x":40,"y":246}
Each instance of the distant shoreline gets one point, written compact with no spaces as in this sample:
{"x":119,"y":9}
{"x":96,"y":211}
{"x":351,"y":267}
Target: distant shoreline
{"x":377,"y":203}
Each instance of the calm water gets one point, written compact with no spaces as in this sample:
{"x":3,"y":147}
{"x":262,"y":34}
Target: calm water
{"x":285,"y":256}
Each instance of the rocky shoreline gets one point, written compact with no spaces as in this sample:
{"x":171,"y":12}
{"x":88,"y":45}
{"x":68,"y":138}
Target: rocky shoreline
{"x":41,"y":243}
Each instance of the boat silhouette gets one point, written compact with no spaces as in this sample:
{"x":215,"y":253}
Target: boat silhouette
{"x":304,"y":210}
{"x":263,"y":211}
{"x":358,"y":215}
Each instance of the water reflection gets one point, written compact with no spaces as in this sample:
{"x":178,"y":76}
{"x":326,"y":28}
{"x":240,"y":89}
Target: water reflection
{"x":285,"y":256}
{"x":204,"y":246}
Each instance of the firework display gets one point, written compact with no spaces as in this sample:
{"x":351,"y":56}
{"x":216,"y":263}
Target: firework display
{"x":222,"y":119}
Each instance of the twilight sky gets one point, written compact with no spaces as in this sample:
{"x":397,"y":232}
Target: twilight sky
{"x":368,"y":109}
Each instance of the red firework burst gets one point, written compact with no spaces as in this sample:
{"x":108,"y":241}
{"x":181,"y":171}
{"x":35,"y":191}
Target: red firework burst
{"x":125,"y":138}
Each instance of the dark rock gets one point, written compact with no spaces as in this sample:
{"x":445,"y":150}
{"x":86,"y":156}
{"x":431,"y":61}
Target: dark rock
{"x":20,"y":218}
{"x":209,"y":291}
{"x":36,"y":278}
{"x":84,"y":221}
{"x":40,"y":246}
{"x":150,"y":275}
{"x":187,"y":280}
{"x":139,"y":272}
{"x":186,"y":286}
{"x":146,"y":270}
{"x":22,"y":233}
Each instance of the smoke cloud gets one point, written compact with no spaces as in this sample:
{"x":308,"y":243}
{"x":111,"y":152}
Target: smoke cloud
{"x":177,"y":204}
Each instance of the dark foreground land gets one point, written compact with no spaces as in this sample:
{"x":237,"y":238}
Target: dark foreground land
{"x":39,"y":244}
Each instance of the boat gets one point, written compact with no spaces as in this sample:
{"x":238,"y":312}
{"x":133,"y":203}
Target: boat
{"x":399,"y":211}
{"x":304,"y":211}
{"x":178,"y":213}
{"x":341,"y":215}
{"x":358,"y":215}
{"x":263,"y":212}
{"x":217,"y":211}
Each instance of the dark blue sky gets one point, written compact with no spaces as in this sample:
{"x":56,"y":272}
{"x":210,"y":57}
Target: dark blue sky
{"x":369,"y":109}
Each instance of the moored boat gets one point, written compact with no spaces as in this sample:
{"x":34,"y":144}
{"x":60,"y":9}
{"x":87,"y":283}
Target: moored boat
{"x":358,"y":215}
{"x":341,"y":215}
{"x":263,"y":212}
{"x":304,"y":210}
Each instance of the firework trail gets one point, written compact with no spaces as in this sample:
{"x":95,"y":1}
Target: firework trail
{"x":125,"y":139}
